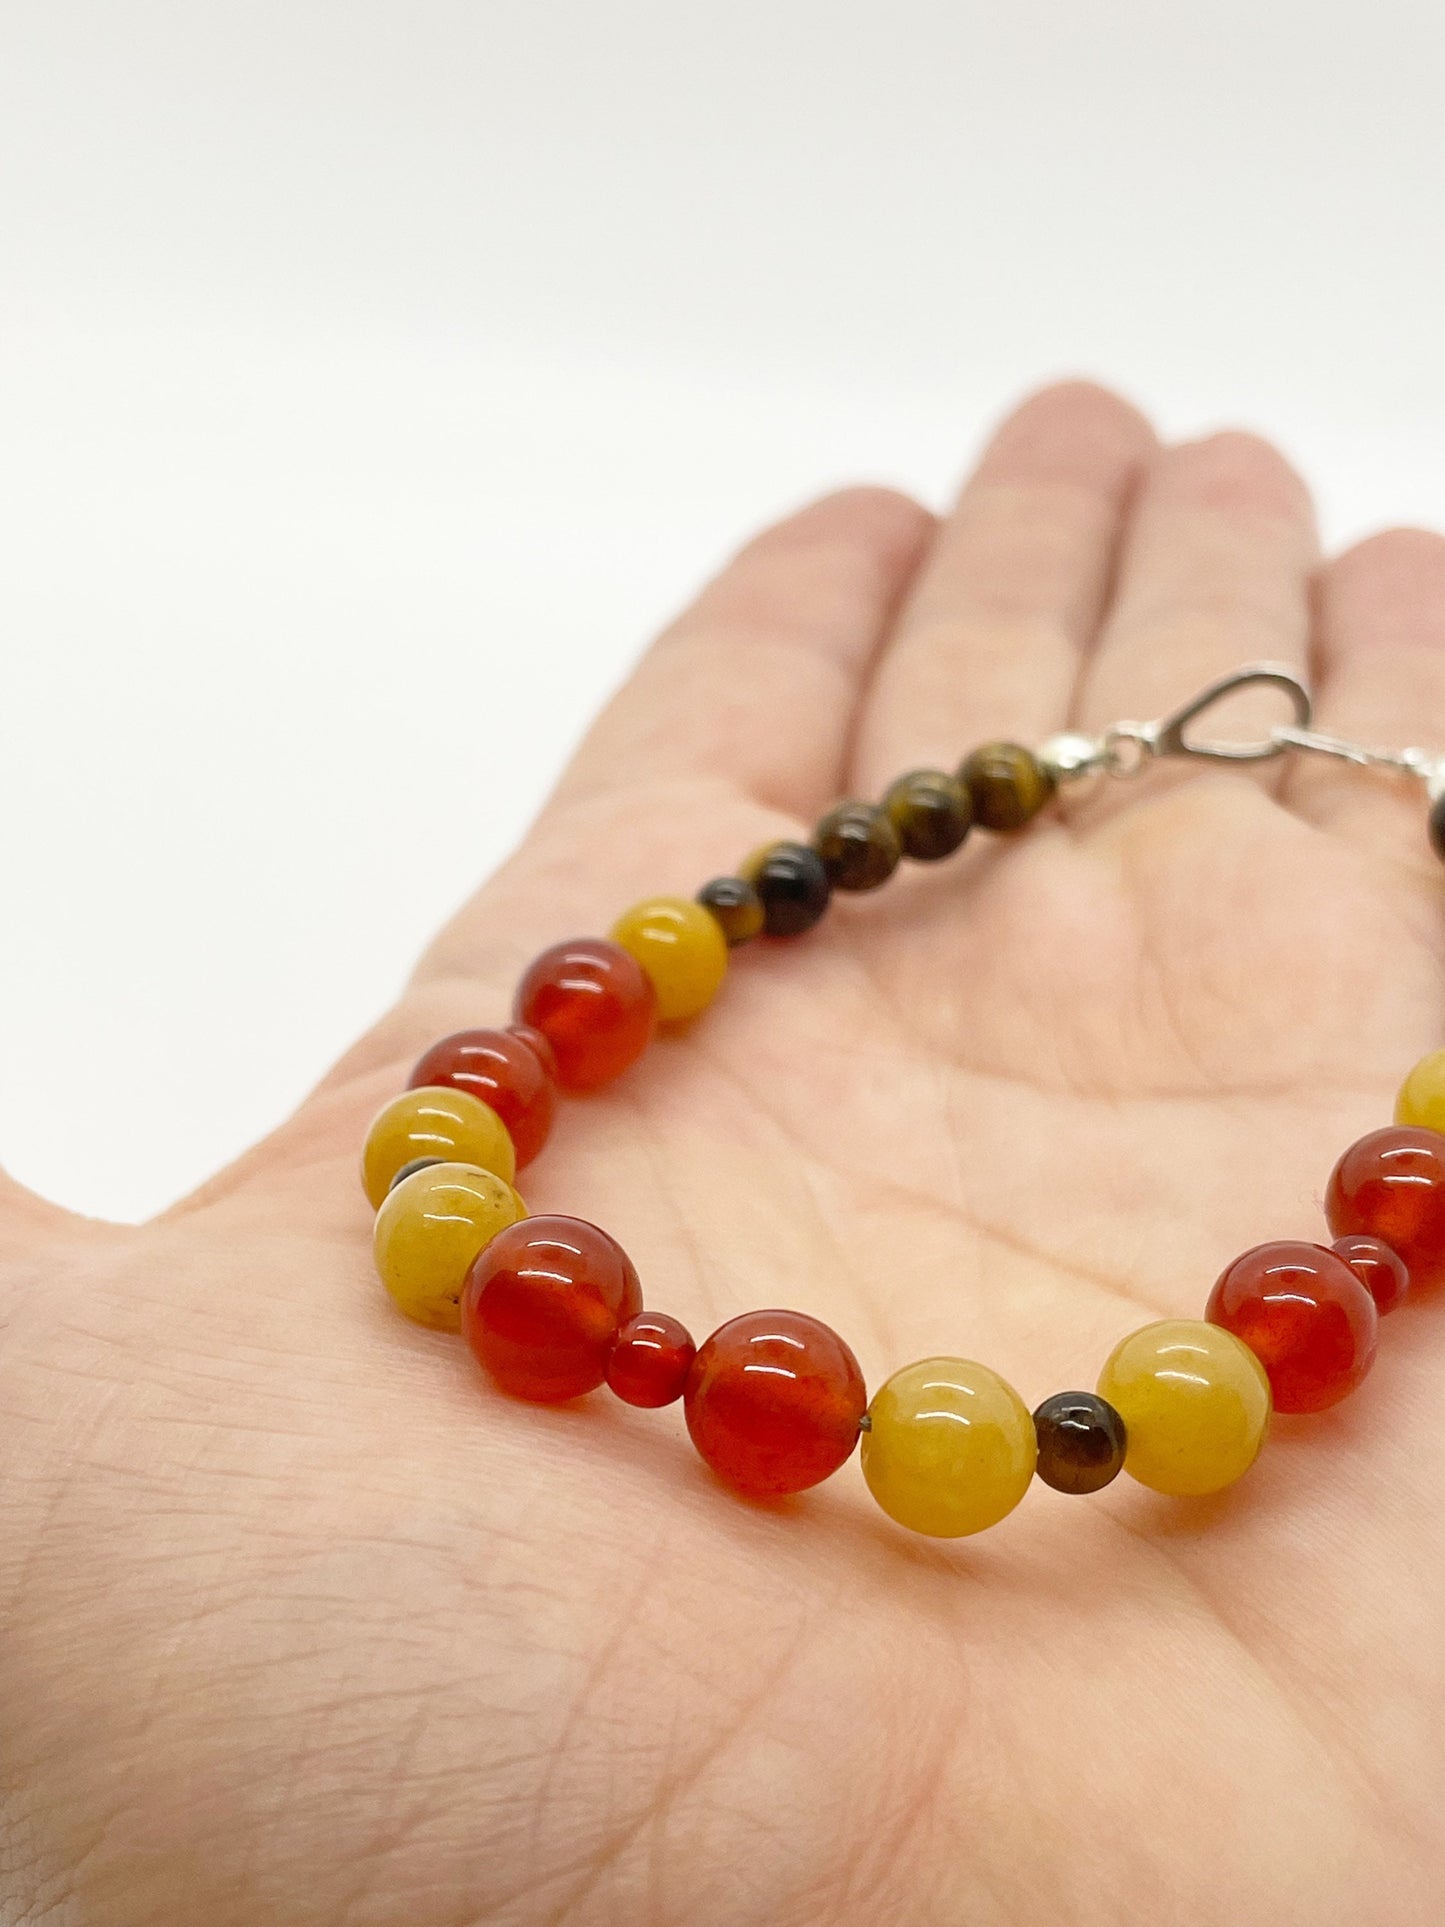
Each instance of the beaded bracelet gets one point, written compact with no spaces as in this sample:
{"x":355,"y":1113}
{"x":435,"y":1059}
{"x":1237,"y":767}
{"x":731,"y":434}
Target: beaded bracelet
{"x":774,"y":1400}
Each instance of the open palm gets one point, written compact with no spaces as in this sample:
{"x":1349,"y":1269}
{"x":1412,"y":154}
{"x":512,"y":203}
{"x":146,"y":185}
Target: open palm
{"x":303,"y":1622}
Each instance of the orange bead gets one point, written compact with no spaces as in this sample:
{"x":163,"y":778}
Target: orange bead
{"x":594,"y":1004}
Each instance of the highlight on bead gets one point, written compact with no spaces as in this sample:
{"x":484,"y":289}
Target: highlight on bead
{"x":428,"y":1233}
{"x":683,"y":950}
{"x":434,"y":1121}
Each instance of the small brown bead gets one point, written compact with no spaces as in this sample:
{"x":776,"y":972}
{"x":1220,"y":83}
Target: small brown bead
{"x":792,"y":884}
{"x":1081,"y":1442}
{"x":1437,"y":826}
{"x":736,"y":906}
{"x":1007,"y":785}
{"x":858,"y":845}
{"x":931,"y":811}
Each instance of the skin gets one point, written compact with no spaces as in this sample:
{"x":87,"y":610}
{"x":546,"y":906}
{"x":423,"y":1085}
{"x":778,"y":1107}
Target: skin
{"x":304,"y":1623}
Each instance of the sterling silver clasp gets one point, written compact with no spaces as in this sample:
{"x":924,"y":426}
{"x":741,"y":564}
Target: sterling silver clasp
{"x":1134,"y":744}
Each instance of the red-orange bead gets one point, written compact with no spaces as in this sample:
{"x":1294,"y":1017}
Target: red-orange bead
{"x":774,"y":1401}
{"x":538,"y":1045}
{"x":543,"y":1305}
{"x":502,"y":1070}
{"x":1381,"y":1271}
{"x":1391,"y":1186}
{"x":651,"y":1360}
{"x":1305,"y":1316}
{"x":594,"y":1004}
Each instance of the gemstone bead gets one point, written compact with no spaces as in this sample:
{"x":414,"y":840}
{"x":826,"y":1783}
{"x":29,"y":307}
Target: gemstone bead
{"x":433,"y":1122}
{"x":1007,"y":785}
{"x":1437,"y":827}
{"x":503,"y":1070}
{"x":1390,"y":1185}
{"x":429,"y":1230}
{"x":1381,"y":1271}
{"x":1306,"y":1317}
{"x":651,"y":1360}
{"x":949,"y":1447}
{"x":1422,"y":1095}
{"x":595,"y":1005}
{"x":858,"y":846}
{"x":931,"y":812}
{"x":793,"y":886}
{"x":417,"y":1164}
{"x":681,"y":948}
{"x":543,"y":1306}
{"x":538,"y":1045}
{"x":1194,"y":1401}
{"x":1081,"y":1442}
{"x":773,"y":1402}
{"x":737,"y":907}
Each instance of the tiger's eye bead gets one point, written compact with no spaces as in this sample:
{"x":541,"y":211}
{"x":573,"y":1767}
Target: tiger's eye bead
{"x":651,"y":1360}
{"x":429,"y":1230}
{"x":773,"y":1402}
{"x":1007,"y":785}
{"x":1390,"y":1185}
{"x":858,"y":845}
{"x":1305,"y":1316}
{"x":793,"y":886}
{"x":1381,"y":1271}
{"x":1194,"y":1401}
{"x":1422,"y":1095}
{"x":543,"y":1306}
{"x":594,"y":1004}
{"x":433,"y":1122}
{"x":682,"y":950}
{"x":1081,"y":1442}
{"x":931,"y":812}
{"x":1437,"y":826}
{"x":503,"y":1071}
{"x":737,"y":907}
{"x":949,"y":1448}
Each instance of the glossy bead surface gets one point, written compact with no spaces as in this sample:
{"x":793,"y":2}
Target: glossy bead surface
{"x":651,"y":1360}
{"x":543,"y":1306}
{"x":682,"y":949}
{"x":1421,"y":1099}
{"x":433,"y":1122}
{"x":502,"y":1070}
{"x":1007,"y":785}
{"x":1390,"y":1185}
{"x":1081,"y":1442}
{"x":430,"y":1229}
{"x":1305,"y":1316}
{"x":773,"y":1402}
{"x":1437,"y":827}
{"x":736,"y":906}
{"x":793,"y":886}
{"x":538,"y":1045}
{"x":931,"y":812}
{"x":1381,"y":1271}
{"x":1195,"y":1405}
{"x":858,"y":846}
{"x":595,"y":1005}
{"x":949,"y":1447}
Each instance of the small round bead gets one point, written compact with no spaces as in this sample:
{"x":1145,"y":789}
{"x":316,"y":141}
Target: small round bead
{"x":1081,"y":1442}
{"x":858,"y":846}
{"x":793,"y":886}
{"x":503,"y":1071}
{"x":429,"y":1230}
{"x":543,"y":1306}
{"x":417,"y":1164}
{"x":1422,"y":1095}
{"x":1305,"y":1316}
{"x":1390,"y":1185}
{"x":737,"y":907}
{"x":1007,"y":785}
{"x":595,"y":1005}
{"x":1194,"y":1401}
{"x":682,"y":950}
{"x":1381,"y":1271}
{"x":1437,"y":826}
{"x":433,"y":1121}
{"x":773,"y":1402}
{"x":949,"y":1447}
{"x":651,"y":1360}
{"x":931,"y":812}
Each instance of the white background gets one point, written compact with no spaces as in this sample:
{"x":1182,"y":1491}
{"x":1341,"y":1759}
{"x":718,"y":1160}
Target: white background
{"x":375,"y":375}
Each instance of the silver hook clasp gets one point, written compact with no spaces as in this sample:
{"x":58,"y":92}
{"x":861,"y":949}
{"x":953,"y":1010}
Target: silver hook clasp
{"x":1170,"y":735}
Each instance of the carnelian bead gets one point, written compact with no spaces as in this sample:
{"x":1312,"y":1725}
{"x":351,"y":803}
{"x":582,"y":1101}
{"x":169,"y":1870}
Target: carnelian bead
{"x":543,"y":1306}
{"x":1305,"y":1316}
{"x":682,"y":949}
{"x":538,"y":1045}
{"x":428,"y":1231}
{"x":651,"y":1360}
{"x":1390,"y":1185}
{"x":498,"y":1067}
{"x":594,"y":1004}
{"x":433,"y":1121}
{"x":774,"y":1401}
{"x":1381,"y":1271}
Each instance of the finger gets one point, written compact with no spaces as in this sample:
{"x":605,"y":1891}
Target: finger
{"x":989,"y":641}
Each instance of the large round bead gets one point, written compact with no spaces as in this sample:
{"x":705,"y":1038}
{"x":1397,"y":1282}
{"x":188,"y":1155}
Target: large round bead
{"x":1390,"y":1185}
{"x":1422,"y":1095}
{"x":682,"y":948}
{"x":1306,"y":1317}
{"x":1194,"y":1401}
{"x":543,"y":1306}
{"x":949,"y":1447}
{"x":428,"y":1231}
{"x":773,"y":1402}
{"x":434,"y":1122}
{"x":1381,"y":1271}
{"x":594,"y":1004}
{"x":504,"y":1071}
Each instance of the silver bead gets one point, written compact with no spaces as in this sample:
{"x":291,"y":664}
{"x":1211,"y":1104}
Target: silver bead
{"x":1070,"y":756}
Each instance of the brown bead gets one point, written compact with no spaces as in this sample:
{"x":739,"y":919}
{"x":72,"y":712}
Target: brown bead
{"x":1081,"y":1442}
{"x":858,"y":845}
{"x":1007,"y":785}
{"x":931,"y":811}
{"x":737,"y":907}
{"x":793,"y":887}
{"x":1437,"y":826}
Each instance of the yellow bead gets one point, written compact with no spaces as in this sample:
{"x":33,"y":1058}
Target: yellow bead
{"x":434,"y":1121}
{"x":1194,"y":1401}
{"x":1422,"y":1095}
{"x":949,"y":1447}
{"x":430,"y":1229}
{"x":679,"y":945}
